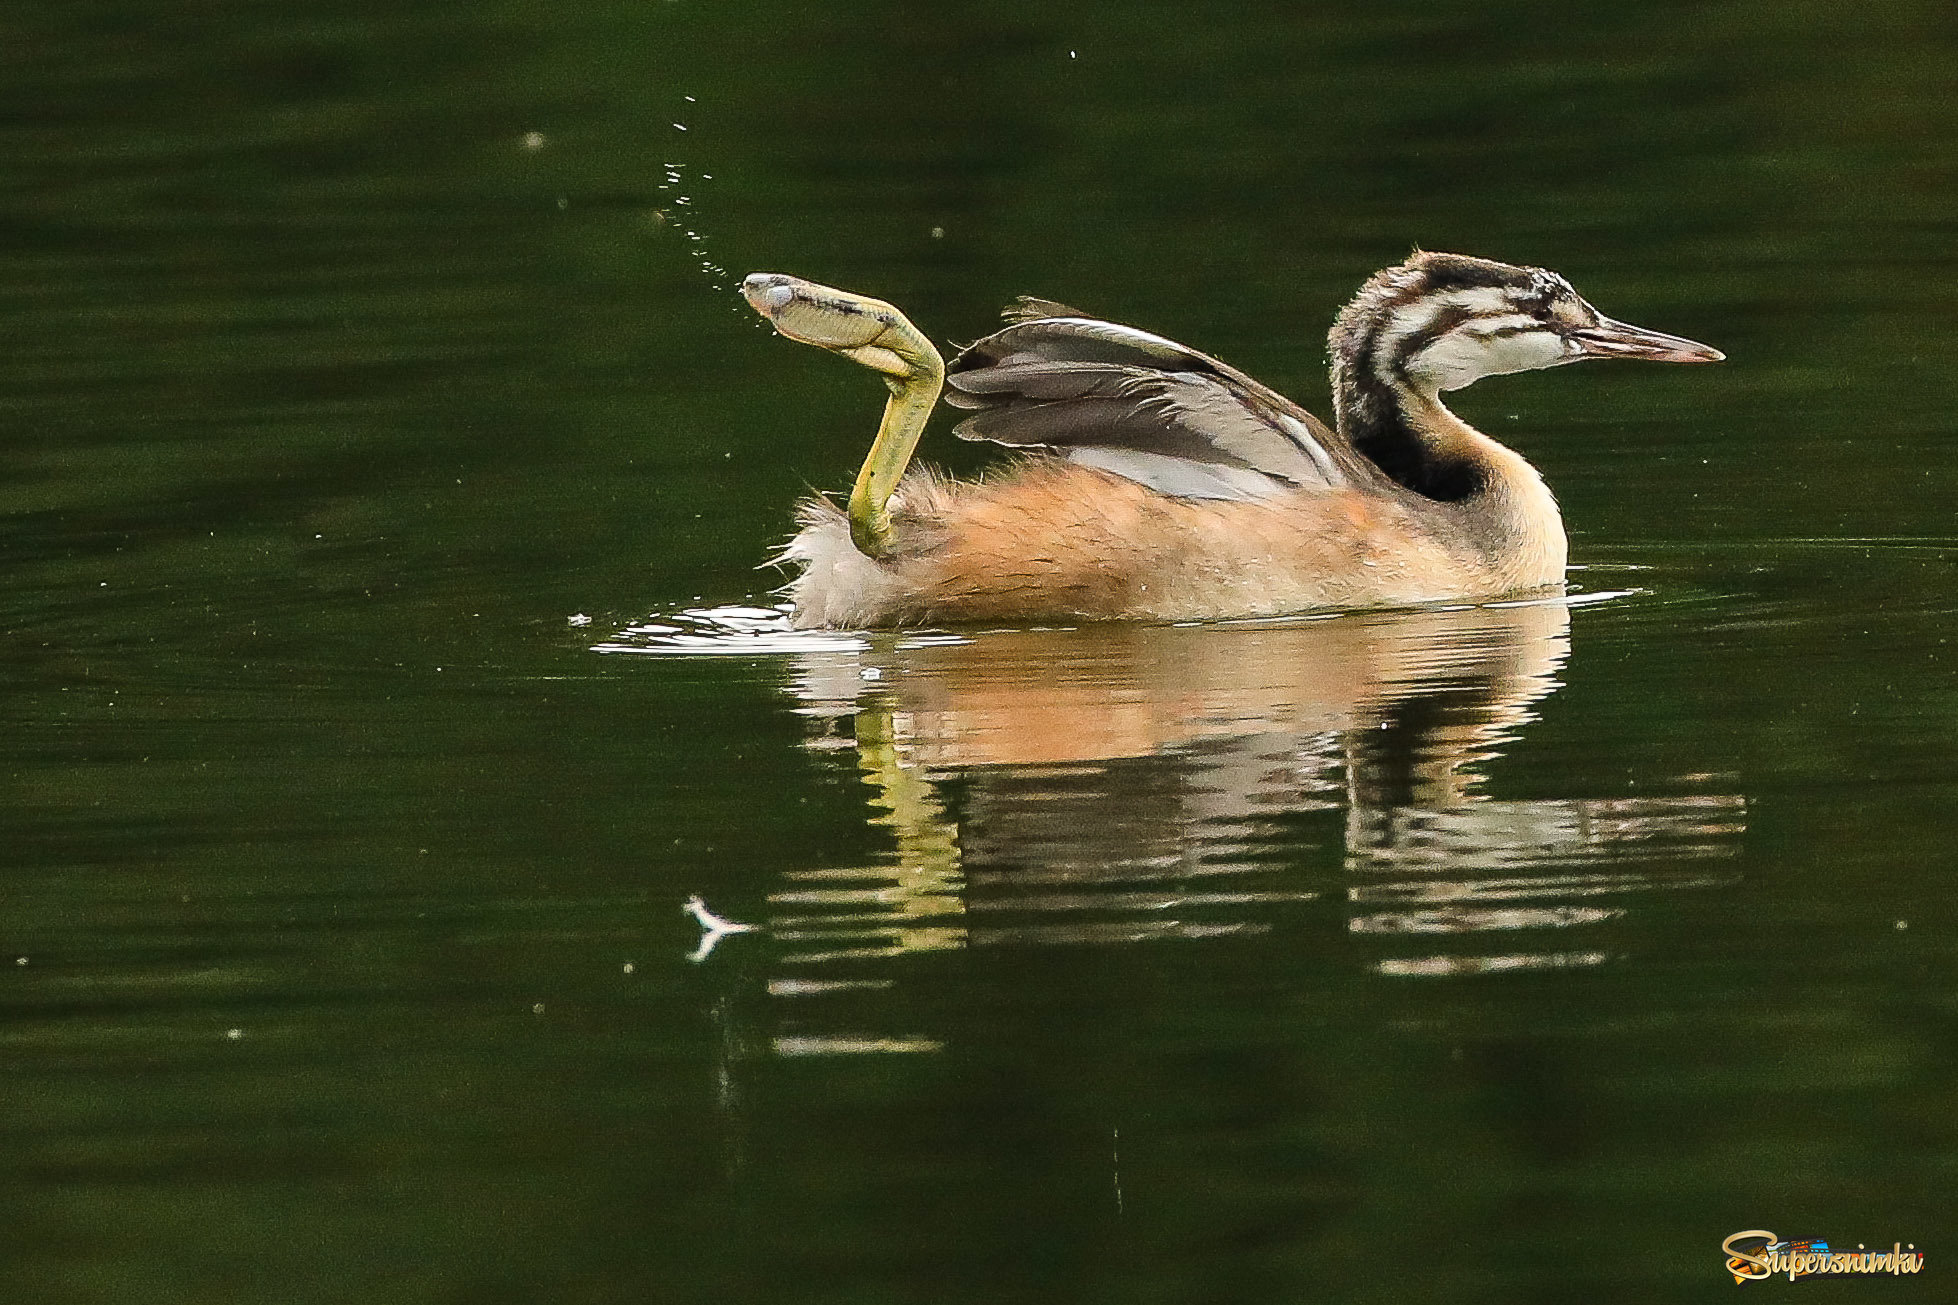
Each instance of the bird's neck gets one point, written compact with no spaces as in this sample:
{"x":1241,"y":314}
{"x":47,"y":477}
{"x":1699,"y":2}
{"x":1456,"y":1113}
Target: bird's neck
{"x":1409,"y":433}
{"x":1503,"y":505}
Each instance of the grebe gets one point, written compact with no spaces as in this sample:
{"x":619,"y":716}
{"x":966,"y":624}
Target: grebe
{"x":1162,"y":484}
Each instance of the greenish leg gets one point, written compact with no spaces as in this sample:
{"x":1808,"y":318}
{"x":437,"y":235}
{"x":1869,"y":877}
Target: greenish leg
{"x":876,"y":335}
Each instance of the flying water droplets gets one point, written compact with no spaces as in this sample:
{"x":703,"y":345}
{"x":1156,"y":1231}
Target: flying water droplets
{"x":673,"y":187}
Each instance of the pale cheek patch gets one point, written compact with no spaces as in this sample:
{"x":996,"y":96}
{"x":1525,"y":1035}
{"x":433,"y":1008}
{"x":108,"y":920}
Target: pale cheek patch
{"x":1526,"y":351}
{"x":1463,"y":357}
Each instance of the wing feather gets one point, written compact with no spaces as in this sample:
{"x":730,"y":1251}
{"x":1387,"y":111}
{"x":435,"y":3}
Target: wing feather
{"x":1139,"y":405}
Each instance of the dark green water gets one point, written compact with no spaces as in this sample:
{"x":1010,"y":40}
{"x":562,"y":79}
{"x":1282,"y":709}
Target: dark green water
{"x":350,"y":351}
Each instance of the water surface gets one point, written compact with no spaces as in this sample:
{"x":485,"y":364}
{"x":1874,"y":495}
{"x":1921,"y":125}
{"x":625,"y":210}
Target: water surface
{"x":388,"y":468}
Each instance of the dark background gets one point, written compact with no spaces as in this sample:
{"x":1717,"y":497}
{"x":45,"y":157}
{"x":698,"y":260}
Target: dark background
{"x":329,"y":392}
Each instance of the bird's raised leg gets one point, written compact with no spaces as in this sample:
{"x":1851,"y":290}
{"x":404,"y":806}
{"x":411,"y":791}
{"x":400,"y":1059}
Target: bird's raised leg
{"x":870,"y":332}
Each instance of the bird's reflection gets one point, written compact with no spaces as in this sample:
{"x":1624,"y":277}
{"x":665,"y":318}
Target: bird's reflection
{"x":1125,"y":783}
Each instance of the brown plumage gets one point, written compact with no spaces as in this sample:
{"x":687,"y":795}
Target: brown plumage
{"x":1159,"y":483}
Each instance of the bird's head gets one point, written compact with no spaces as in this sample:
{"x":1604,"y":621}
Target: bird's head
{"x":1442,"y":321}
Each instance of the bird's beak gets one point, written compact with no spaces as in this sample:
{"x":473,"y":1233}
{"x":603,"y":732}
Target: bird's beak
{"x":1609,"y":339}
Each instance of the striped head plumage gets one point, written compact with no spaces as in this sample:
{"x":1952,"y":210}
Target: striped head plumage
{"x":1442,"y":321}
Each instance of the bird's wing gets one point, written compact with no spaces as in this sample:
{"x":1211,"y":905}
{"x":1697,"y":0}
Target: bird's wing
{"x":1139,"y":406}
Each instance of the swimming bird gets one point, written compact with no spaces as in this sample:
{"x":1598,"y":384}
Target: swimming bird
{"x":1158,"y":483}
